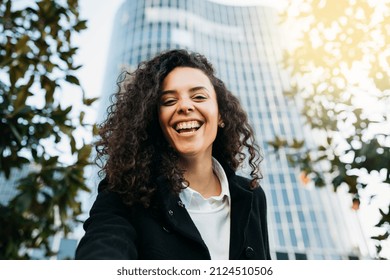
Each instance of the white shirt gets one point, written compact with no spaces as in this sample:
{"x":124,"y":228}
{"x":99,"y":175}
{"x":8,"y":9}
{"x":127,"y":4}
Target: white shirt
{"x":211,"y":215}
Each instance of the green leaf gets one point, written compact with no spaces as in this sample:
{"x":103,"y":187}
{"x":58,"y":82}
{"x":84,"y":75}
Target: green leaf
{"x":277,"y":143}
{"x":21,"y":45}
{"x":52,"y":161}
{"x":5,"y":167}
{"x":14,"y":75}
{"x":72,"y":79}
{"x":22,"y":160}
{"x":337,"y":181}
{"x":21,"y":99}
{"x":72,"y":144}
{"x":74,"y":68}
{"x":89,"y":101}
{"x":82,"y":24}
{"x":81,"y":117}
{"x":16,"y":133}
{"x":95,"y":130}
{"x":23,"y":201}
{"x":322,"y":148}
{"x":297,"y":144}
{"x":385,"y":219}
{"x":84,"y":153}
{"x":381,"y":237}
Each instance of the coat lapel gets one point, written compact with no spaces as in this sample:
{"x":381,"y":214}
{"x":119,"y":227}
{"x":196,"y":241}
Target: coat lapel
{"x":175,"y":214}
{"x":240,"y":210}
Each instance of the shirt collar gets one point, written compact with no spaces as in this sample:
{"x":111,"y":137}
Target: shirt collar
{"x":195,"y":201}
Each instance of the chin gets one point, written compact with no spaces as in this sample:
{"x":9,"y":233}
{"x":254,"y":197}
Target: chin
{"x":187,"y":153}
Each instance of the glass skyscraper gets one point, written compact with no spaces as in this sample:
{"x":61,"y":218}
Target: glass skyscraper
{"x":244,"y":45}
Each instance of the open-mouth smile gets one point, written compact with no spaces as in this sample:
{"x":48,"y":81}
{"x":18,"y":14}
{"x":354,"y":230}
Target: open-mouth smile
{"x":187,"y":127}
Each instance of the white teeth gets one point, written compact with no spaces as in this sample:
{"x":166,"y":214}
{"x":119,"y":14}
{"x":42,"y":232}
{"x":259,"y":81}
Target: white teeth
{"x":188,"y":125}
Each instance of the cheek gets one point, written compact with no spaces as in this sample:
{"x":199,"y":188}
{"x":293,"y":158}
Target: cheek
{"x":216,"y":116}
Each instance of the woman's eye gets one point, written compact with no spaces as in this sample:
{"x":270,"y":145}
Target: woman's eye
{"x":168,"y":102}
{"x":199,"y":97}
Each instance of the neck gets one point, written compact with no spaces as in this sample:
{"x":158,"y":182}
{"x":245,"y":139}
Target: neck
{"x":199,"y":173}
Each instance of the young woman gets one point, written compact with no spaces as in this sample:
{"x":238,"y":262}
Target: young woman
{"x":170,"y":146}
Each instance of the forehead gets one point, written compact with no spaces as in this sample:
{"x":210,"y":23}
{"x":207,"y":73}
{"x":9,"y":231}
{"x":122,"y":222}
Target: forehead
{"x":184,"y":77}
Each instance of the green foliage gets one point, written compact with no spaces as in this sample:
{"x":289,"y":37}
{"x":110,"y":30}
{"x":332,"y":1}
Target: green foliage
{"x":36,"y":60}
{"x":339,"y":68}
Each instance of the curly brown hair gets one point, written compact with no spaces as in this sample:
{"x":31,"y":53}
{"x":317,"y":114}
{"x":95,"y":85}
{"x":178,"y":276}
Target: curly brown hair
{"x":132,"y":149}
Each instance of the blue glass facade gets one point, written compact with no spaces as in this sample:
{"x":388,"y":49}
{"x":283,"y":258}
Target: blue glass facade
{"x":244,"y":45}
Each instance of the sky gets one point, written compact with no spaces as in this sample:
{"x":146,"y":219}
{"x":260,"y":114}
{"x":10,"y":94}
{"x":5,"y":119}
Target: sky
{"x":94,"y":43}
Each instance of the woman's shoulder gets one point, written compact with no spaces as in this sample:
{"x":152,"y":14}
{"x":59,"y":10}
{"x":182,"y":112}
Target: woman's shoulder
{"x":246,"y":183}
{"x":107,"y":199}
{"x":242,"y":185}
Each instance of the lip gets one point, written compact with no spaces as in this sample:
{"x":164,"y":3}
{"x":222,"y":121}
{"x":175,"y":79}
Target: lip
{"x":187,"y":133}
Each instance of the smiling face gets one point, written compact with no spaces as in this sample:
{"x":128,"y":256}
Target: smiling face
{"x":188,"y":112}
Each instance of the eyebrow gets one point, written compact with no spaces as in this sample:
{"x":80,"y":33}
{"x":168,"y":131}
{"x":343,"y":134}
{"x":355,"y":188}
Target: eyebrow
{"x":191,"y":90}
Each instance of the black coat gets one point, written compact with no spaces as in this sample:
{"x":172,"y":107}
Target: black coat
{"x":166,"y":231}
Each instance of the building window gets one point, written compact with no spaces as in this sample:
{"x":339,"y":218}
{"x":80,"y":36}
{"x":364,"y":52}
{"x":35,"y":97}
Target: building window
{"x":305,"y":237}
{"x":293,"y":237}
{"x":300,"y":256}
{"x":281,"y":256}
{"x":281,"y":238}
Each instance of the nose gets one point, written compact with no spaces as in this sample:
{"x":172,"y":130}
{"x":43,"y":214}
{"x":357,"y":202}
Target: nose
{"x":185,"y":106}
